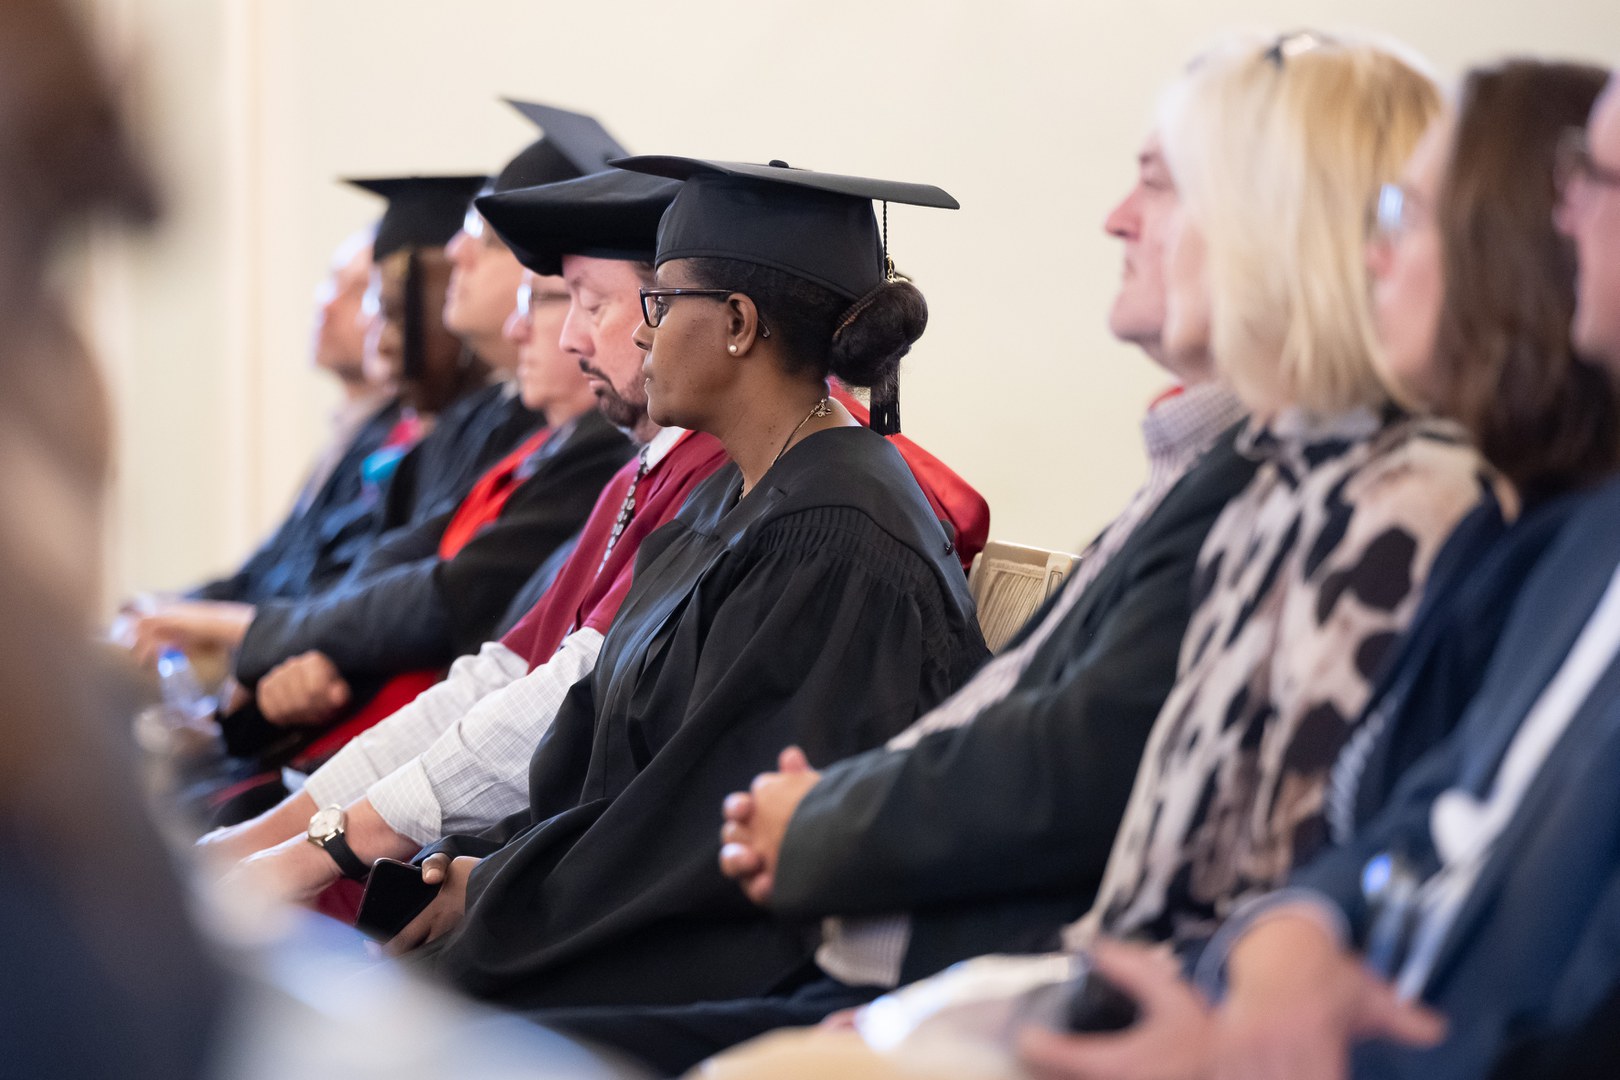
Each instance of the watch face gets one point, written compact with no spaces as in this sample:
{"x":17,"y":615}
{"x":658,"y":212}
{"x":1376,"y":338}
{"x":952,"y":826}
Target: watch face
{"x":326,"y":822}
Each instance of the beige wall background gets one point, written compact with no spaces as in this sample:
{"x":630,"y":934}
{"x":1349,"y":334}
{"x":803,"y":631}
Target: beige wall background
{"x":1029,"y":111}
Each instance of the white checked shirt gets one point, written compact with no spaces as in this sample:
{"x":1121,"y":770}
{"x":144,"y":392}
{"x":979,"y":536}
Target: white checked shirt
{"x":1177,"y":430}
{"x":457,"y":758}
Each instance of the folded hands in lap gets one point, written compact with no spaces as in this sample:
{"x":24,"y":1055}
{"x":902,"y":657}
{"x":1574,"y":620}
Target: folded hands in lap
{"x":754,"y":822}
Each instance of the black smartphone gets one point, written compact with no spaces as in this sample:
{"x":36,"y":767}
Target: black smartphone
{"x":1096,"y":1004}
{"x":395,"y":894}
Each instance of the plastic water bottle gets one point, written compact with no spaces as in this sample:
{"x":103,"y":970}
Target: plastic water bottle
{"x":184,"y":703}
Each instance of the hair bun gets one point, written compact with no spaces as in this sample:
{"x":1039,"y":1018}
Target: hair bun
{"x":875,"y":332}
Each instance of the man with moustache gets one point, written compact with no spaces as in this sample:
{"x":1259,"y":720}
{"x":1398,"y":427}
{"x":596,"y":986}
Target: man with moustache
{"x":424,"y":597}
{"x":411,"y":497}
{"x":310,"y":687}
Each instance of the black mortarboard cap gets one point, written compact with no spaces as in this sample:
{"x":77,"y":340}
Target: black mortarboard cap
{"x":817,"y":226}
{"x":608,"y":215}
{"x":573,"y":144}
{"x":423,"y":211}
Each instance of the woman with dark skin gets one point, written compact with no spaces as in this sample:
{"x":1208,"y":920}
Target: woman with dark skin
{"x":806,"y":594}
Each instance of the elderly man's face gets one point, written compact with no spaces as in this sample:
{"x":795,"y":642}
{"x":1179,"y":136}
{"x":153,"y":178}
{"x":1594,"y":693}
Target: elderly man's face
{"x":1140,"y":221}
{"x":340,"y":326}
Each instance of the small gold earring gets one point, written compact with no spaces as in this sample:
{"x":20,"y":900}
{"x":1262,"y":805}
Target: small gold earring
{"x":732,"y":349}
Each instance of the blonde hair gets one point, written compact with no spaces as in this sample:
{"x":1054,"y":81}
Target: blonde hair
{"x":1278,"y":149}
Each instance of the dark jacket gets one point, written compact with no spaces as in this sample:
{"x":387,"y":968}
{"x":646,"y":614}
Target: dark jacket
{"x":286,"y":565}
{"x":405,"y":608}
{"x":995,"y":833}
{"x":469,"y":435}
{"x":1434,"y":674}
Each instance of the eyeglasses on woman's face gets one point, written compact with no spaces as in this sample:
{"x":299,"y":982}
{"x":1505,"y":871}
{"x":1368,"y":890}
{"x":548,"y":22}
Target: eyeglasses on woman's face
{"x":1395,"y":213}
{"x":655,"y":303}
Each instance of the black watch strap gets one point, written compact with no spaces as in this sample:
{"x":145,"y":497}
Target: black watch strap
{"x":338,"y":847}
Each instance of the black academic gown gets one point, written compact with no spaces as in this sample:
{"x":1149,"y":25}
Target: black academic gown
{"x":826,"y":610}
{"x":284,"y":566}
{"x":469,"y":435}
{"x":404,"y":608}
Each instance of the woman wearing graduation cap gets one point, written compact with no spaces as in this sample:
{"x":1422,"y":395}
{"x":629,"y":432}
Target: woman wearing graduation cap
{"x":805,"y":595}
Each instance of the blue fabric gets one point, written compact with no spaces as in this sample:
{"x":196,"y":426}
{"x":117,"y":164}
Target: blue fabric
{"x":1535,"y":950}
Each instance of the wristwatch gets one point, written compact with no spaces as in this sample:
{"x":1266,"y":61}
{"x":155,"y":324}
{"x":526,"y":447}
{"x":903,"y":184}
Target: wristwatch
{"x":326,"y":830}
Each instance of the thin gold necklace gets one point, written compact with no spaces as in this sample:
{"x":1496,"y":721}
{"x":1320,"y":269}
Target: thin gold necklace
{"x":818,"y":410}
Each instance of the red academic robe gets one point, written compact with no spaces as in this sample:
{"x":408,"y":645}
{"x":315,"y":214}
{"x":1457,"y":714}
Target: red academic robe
{"x":954,"y":500}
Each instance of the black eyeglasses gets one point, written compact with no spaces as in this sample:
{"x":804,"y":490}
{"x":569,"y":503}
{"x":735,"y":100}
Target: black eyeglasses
{"x":655,"y":304}
{"x":1575,"y":162}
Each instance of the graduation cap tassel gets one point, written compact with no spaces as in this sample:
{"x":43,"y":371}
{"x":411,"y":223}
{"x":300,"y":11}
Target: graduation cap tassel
{"x":885,"y":401}
{"x":885,"y":407}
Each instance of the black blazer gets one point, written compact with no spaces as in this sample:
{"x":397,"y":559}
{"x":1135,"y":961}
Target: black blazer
{"x":469,"y":435}
{"x":289,"y":563}
{"x":995,"y":833}
{"x":415,"y":610}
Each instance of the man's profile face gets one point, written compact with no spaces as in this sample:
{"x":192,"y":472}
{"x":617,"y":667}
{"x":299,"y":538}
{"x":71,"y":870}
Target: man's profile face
{"x":1137,"y":315}
{"x":604,"y":309}
{"x":484,"y":278}
{"x":340,"y":325}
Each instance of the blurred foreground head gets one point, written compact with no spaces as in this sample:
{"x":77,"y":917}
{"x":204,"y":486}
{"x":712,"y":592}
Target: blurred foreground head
{"x":106,"y":978}
{"x":63,"y":158}
{"x":63,"y":151}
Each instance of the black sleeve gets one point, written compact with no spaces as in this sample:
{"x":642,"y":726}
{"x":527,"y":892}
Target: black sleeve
{"x":400,"y":547}
{"x":394,"y":617}
{"x":1027,"y":797}
{"x":544,"y":514}
{"x":535,"y":588}
{"x":426,"y":612}
{"x":237,"y":586}
{"x":1401,"y":829}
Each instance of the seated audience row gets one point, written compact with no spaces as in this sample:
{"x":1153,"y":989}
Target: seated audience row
{"x":1337,"y":680}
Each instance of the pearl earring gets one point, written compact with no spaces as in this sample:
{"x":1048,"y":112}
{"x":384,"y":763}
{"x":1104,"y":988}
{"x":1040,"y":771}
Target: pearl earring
{"x":732,"y":349}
